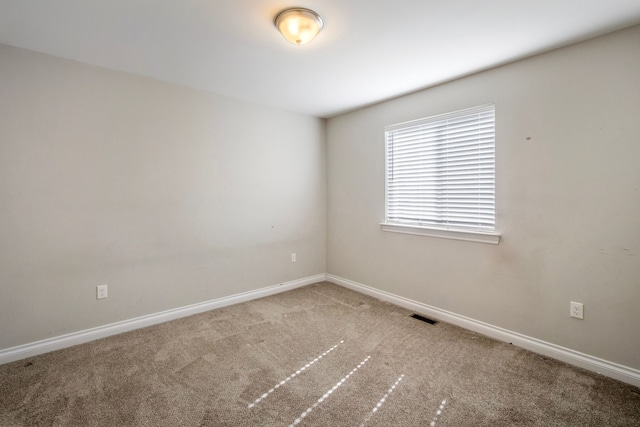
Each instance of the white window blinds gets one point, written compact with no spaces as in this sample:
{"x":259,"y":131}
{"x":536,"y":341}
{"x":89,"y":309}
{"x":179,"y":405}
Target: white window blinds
{"x":441,"y":171}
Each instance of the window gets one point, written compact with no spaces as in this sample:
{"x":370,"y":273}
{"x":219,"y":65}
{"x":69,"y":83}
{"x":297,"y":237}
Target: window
{"x":440,"y":176}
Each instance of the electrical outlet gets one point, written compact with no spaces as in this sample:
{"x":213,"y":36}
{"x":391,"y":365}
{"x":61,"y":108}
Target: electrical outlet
{"x":576,"y":309}
{"x":101,"y":292}
{"x":293,"y":258}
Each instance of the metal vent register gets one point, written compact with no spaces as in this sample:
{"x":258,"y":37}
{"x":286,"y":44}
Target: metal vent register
{"x":424,"y":319}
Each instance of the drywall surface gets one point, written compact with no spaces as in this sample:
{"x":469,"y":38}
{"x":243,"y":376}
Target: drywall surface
{"x":567,"y":200}
{"x":170,"y":196}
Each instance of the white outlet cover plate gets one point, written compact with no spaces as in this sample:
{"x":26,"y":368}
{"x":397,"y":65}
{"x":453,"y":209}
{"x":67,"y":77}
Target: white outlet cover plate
{"x":576,"y":310}
{"x":101,"y":292}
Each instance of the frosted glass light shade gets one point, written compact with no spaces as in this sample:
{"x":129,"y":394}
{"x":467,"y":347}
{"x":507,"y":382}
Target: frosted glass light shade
{"x":299,"y":25}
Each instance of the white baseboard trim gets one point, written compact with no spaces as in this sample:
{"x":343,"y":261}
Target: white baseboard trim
{"x":582,"y":360}
{"x":80,"y":337}
{"x":591,"y":363}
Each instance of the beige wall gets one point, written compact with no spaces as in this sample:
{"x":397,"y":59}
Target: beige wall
{"x":568,"y":201}
{"x":171,"y":196}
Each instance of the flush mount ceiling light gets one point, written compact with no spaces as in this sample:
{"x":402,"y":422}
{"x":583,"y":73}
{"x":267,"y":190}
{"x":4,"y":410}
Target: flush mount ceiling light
{"x":299,"y":25}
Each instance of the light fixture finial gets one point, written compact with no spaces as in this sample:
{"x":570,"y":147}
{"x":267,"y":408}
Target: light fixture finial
{"x":298,"y":25}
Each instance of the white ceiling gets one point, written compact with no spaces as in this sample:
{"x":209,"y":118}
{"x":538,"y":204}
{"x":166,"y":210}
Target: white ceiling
{"x":369,"y":50}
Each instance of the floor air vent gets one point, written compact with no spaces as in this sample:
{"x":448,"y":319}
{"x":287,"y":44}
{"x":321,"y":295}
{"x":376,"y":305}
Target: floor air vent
{"x":424,"y":319}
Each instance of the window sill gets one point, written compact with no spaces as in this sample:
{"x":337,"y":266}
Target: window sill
{"x":470,"y":236}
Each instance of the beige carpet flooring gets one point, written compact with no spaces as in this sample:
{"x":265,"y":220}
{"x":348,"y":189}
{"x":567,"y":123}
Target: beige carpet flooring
{"x":320,"y":355}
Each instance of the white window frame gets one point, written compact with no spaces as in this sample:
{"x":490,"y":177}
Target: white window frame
{"x":484,"y":233}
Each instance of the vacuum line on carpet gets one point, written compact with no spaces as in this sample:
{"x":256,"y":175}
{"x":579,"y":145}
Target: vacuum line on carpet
{"x":286,"y":380}
{"x":381,"y":401}
{"x":328,"y":393}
